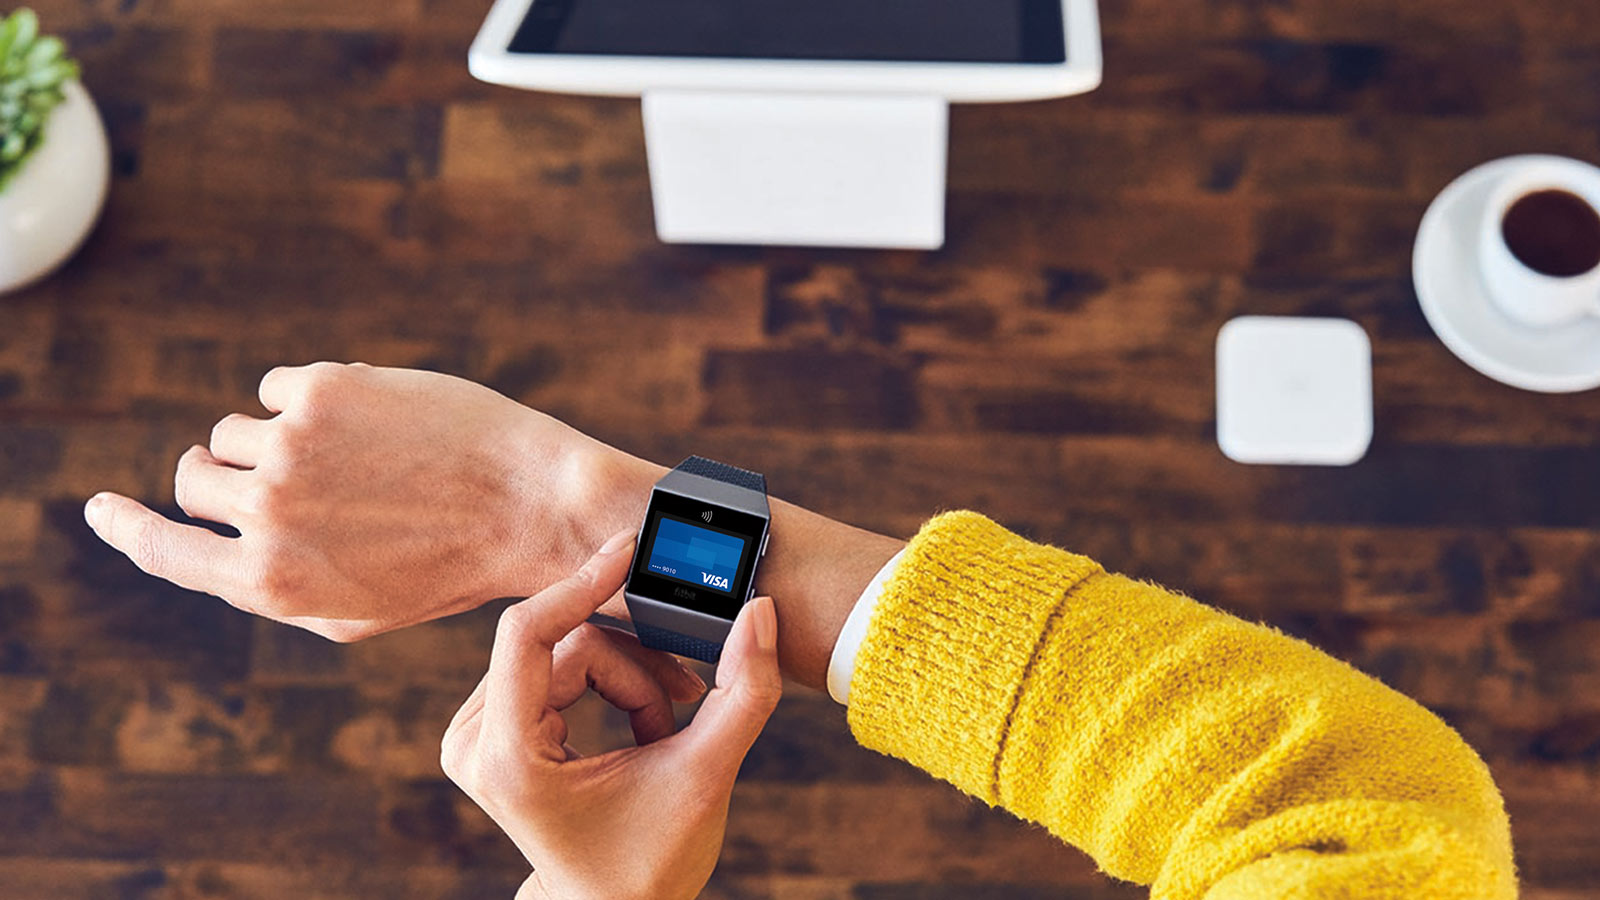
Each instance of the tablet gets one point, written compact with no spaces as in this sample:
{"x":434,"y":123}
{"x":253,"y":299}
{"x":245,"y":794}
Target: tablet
{"x":961,"y":50}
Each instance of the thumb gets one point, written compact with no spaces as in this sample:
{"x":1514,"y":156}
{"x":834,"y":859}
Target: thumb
{"x":747,"y":691}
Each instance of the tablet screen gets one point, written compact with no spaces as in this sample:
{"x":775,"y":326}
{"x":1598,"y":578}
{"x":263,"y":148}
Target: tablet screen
{"x":971,"y":31}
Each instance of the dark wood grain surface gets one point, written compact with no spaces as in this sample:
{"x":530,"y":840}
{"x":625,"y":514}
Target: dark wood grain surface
{"x":306,"y":179}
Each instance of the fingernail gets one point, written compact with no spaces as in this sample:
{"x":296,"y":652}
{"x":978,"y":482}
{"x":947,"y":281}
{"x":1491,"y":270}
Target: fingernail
{"x":617,"y":542}
{"x":695,"y":681}
{"x":94,"y":509}
{"x":766,"y":623}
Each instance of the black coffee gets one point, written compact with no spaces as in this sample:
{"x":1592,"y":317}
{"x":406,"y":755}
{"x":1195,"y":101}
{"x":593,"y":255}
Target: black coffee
{"x":1554,"y":232}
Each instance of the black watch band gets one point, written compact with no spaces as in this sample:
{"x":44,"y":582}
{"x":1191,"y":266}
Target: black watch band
{"x":716,"y":471}
{"x":653,"y":638}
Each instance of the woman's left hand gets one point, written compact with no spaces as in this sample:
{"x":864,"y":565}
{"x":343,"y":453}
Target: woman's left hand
{"x":640,"y":822}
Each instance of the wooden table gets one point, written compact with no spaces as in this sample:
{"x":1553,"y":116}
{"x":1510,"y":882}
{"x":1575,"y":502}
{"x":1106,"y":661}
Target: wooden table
{"x":305,"y":179}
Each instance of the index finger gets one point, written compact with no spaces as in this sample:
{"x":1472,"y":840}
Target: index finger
{"x":517,"y":687}
{"x":278,"y":387}
{"x":282,"y":385}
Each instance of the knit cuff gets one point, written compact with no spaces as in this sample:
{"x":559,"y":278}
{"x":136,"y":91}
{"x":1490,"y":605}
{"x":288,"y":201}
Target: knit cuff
{"x":950,"y":645}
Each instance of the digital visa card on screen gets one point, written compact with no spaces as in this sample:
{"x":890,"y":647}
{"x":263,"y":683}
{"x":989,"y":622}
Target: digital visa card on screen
{"x":695,"y":555}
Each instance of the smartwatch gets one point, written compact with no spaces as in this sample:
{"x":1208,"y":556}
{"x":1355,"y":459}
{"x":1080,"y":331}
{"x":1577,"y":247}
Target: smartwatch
{"x":695,"y":562}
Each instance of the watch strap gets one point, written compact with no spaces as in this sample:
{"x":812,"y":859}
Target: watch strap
{"x":716,"y":471}
{"x":653,"y":638}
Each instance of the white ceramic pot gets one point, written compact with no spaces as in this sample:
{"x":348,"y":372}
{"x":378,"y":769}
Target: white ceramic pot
{"x":50,"y":205}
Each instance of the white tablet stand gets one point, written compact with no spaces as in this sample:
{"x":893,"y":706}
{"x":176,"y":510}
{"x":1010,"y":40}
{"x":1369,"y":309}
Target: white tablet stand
{"x":814,"y":152}
{"x":834,"y":170}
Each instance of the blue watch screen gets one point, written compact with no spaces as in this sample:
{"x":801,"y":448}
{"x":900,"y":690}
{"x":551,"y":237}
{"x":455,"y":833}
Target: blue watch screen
{"x":696,"y":555}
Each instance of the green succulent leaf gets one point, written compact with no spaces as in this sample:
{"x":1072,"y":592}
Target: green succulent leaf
{"x":33,"y":71}
{"x":27,"y":29}
{"x":47,"y":77}
{"x":45,"y":51}
{"x":8,"y":35}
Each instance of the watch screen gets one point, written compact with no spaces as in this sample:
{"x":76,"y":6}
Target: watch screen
{"x":696,"y":555}
{"x":981,"y":31}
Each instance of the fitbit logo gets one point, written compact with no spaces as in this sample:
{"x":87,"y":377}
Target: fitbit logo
{"x":683,"y":593}
{"x":716,"y":581}
{"x":706,"y":516}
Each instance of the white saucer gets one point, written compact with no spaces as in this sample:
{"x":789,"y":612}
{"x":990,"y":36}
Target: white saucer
{"x":1444,"y":267}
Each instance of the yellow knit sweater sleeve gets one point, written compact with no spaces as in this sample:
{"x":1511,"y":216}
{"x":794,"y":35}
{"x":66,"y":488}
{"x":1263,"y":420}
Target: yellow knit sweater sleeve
{"x":1178,"y":746}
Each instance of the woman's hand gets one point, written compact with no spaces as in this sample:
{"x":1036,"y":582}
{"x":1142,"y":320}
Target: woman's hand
{"x":642,"y":822}
{"x":374,"y":498}
{"x":377,"y":498}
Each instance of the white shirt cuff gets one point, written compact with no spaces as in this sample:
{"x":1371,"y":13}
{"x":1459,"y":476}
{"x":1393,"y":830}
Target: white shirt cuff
{"x":842,"y":665}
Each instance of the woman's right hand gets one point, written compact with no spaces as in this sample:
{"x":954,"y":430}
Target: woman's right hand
{"x":640,"y":823}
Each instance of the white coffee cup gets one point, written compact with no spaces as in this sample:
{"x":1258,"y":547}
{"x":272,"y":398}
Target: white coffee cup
{"x":1528,"y":296}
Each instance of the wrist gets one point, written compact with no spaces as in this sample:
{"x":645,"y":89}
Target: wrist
{"x":815,"y":571}
{"x":568,"y":493}
{"x":607,"y":491}
{"x":574,"y":492}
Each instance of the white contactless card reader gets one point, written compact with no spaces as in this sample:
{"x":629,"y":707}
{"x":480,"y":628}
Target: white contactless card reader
{"x":820,"y":123}
{"x":1295,"y":391}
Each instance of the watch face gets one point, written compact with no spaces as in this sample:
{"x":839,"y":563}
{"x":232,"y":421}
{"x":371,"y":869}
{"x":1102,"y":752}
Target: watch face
{"x":696,"y":555}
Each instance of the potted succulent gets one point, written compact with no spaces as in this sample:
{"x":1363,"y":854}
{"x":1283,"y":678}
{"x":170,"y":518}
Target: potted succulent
{"x":55,"y":162}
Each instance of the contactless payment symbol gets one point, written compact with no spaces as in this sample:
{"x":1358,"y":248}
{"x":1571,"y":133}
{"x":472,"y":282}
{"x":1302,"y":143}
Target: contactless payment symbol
{"x":706,"y":516}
